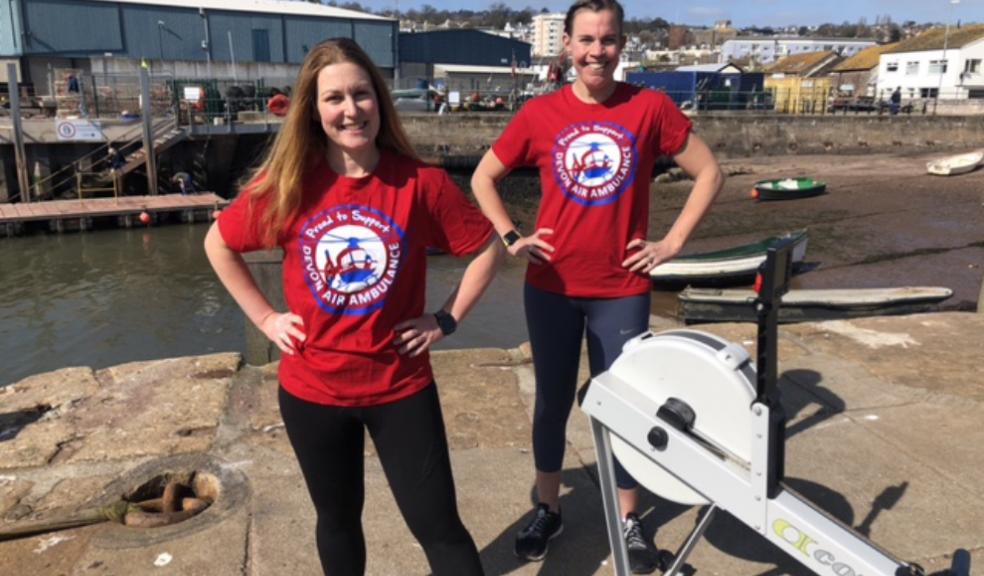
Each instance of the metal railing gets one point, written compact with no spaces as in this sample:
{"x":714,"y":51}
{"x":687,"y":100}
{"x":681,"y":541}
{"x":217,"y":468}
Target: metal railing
{"x":74,"y":178}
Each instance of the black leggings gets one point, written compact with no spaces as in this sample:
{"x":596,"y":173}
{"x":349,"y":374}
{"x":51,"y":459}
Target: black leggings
{"x":412,"y":446}
{"x":556,"y":324}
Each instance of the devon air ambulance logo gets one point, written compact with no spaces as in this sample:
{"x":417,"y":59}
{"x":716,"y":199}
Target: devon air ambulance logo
{"x":594,"y":162}
{"x":350,"y":256}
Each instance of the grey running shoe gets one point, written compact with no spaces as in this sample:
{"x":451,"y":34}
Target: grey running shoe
{"x":531,"y":542}
{"x":641,"y":558}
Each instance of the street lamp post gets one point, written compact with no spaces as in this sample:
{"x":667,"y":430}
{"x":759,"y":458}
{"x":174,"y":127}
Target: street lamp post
{"x":160,"y":41}
{"x":205,"y":44}
{"x":944,"y":65}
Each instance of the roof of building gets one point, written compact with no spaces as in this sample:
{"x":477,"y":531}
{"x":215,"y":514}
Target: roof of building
{"x":469,"y":69}
{"x":863,"y":60}
{"x":802,"y":39}
{"x":802,"y":64}
{"x":265,"y":6}
{"x":727,"y":68}
{"x":459,"y":32}
{"x":933,"y":39}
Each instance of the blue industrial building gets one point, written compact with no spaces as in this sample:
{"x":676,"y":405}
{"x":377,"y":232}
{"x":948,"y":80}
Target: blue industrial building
{"x":464,"y":59}
{"x":186,"y":38}
{"x":707,"y":90}
{"x":463,"y":46}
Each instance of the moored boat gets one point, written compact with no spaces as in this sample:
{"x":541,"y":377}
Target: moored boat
{"x":788,"y":188}
{"x":737,"y":305}
{"x":724,"y":267}
{"x":953,"y":165}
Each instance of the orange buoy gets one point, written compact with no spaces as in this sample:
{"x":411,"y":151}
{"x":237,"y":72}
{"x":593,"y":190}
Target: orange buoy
{"x":278,"y":104}
{"x":144,"y":217}
{"x":755,"y":193}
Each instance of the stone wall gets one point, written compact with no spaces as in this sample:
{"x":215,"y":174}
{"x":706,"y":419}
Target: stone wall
{"x":738,"y":135}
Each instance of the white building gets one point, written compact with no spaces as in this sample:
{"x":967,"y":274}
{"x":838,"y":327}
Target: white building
{"x":922,"y":68}
{"x":548,"y":34}
{"x":766,"y":50}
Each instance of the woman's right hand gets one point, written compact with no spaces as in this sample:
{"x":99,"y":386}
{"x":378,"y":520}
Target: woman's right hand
{"x":533,"y":247}
{"x":280,"y":329}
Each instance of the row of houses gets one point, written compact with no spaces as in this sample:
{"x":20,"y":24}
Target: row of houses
{"x":938,"y":64}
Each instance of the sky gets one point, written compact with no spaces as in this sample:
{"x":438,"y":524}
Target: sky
{"x":742,"y":12}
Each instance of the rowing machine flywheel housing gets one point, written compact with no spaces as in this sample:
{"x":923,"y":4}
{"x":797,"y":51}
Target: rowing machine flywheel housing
{"x":713,"y":377}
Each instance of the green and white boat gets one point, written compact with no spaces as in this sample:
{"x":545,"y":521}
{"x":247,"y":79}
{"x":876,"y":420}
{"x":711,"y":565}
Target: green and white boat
{"x":788,"y":188}
{"x":809,"y":305}
{"x":724,"y":267}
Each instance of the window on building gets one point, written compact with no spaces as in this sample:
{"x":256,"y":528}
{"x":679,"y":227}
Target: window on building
{"x":937,"y":66}
{"x":892,"y":67}
{"x":911,"y":68}
{"x":972,"y":66}
{"x":928,"y":92}
{"x":976,"y":94}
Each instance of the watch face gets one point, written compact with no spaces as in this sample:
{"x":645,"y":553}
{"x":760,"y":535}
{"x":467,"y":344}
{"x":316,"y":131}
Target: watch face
{"x":510,"y":238}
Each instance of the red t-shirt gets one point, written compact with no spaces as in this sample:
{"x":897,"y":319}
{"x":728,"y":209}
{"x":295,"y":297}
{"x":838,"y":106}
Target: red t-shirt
{"x":355,"y":266}
{"x":595,"y":162}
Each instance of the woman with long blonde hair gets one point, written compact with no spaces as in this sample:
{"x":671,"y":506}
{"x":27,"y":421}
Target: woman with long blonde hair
{"x":343,"y":194}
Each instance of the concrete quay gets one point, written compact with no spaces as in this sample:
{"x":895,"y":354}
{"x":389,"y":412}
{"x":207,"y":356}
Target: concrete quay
{"x":884,"y":433}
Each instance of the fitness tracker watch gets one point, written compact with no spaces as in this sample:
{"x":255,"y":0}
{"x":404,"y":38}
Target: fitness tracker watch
{"x":510,"y":238}
{"x":446,"y":322}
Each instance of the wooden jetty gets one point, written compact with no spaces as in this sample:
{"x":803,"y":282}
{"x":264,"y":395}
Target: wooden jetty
{"x":62,"y":215}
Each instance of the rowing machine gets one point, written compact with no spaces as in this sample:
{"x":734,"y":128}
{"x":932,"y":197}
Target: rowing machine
{"x":690,"y":416}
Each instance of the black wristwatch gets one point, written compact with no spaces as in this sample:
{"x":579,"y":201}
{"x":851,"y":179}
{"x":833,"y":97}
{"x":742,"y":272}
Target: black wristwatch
{"x":510,"y":238}
{"x":446,"y":322}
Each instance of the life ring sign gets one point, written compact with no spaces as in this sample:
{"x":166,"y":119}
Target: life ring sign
{"x":78,"y":129}
{"x":66,"y":130}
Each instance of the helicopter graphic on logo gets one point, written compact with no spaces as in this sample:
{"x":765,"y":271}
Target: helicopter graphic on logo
{"x":594,"y":162}
{"x":351,"y":258}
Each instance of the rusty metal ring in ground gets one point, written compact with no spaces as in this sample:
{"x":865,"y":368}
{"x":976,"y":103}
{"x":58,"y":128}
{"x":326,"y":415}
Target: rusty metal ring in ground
{"x":225,"y":486}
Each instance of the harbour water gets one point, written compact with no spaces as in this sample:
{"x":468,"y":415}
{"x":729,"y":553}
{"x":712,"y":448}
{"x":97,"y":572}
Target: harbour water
{"x":111,"y":296}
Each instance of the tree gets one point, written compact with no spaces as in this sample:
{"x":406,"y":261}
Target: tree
{"x":498,"y":15}
{"x":894,"y":33}
{"x":430,"y":14}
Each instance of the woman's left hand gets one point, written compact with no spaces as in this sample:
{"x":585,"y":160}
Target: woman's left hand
{"x":417,"y":335}
{"x":648,"y":255}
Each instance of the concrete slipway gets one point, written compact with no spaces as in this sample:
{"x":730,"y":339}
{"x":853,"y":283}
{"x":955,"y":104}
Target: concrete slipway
{"x":885,"y":433}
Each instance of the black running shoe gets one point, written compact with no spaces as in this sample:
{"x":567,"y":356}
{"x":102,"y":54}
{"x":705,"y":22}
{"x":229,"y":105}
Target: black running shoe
{"x":531,"y":542}
{"x":641,"y":558}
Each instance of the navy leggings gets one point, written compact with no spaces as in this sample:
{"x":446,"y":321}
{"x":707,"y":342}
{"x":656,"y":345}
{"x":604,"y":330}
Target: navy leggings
{"x":412,"y":446}
{"x":556,"y":324}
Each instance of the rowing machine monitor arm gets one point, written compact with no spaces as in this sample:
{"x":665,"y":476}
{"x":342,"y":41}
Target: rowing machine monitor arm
{"x":771,"y":283}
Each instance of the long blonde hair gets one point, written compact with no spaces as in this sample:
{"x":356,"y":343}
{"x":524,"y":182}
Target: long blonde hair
{"x":302,"y":141}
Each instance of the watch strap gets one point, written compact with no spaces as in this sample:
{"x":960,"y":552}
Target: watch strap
{"x":446,"y":322}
